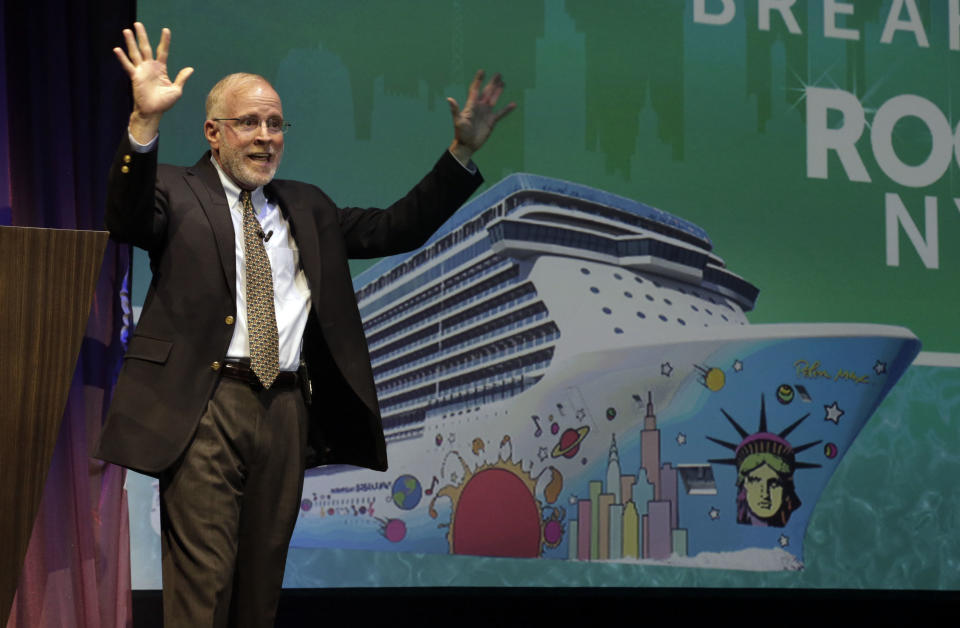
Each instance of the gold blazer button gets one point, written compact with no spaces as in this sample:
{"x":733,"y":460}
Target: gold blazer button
{"x":215,"y":366}
{"x":228,"y":320}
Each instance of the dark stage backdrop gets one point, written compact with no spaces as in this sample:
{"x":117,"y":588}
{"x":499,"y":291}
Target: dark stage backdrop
{"x":814,"y":142}
{"x":62,"y":110}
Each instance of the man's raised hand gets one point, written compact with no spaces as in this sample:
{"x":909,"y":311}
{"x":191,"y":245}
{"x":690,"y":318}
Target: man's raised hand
{"x":473,"y":124}
{"x":153,"y":91}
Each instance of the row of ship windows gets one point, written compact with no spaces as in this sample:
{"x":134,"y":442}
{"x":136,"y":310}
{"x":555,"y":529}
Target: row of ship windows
{"x":518,"y":372}
{"x":483,"y":315}
{"x":472,"y":340}
{"x":418,"y":261}
{"x":466,"y":231}
{"x":482,"y":268}
{"x":480,"y":358}
{"x":467,"y":363}
{"x":473,"y":398}
{"x":441,"y":311}
{"x":404,"y":347}
{"x":661,"y":317}
{"x":462,"y":345}
{"x":468,"y":322}
{"x":667,"y":301}
{"x":659,"y":222}
{"x":681,"y":290}
{"x":488,"y":313}
{"x":404,"y":326}
{"x":632,"y":247}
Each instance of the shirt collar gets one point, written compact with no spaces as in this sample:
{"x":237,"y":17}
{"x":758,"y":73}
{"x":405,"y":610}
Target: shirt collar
{"x":232,"y":190}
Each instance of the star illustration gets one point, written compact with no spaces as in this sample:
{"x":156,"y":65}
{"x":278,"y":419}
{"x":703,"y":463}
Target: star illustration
{"x":737,"y":366}
{"x":452,"y":437}
{"x":542,"y":454}
{"x":573,"y":500}
{"x":581,"y":414}
{"x":784,"y":540}
{"x":833,"y":413}
{"x":880,"y":367}
{"x":681,"y":438}
{"x":666,"y":369}
{"x":453,"y":478}
{"x":714,"y":513}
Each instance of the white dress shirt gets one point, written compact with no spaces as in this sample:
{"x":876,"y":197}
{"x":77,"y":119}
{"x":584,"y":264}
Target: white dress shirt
{"x":291,"y":294}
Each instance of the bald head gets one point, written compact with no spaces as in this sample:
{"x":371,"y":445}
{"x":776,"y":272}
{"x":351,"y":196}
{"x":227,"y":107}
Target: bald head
{"x":215,"y":107}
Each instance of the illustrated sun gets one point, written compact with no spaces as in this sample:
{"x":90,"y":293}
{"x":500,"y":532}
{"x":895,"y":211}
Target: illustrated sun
{"x":495,"y":511}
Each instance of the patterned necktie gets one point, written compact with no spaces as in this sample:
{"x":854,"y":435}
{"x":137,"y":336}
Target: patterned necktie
{"x":261,"y":316}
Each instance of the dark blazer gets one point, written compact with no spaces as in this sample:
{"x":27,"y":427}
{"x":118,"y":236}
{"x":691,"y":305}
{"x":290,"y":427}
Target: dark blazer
{"x":180,"y":216}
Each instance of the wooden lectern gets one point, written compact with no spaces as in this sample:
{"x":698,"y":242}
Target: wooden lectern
{"x":47,"y":281}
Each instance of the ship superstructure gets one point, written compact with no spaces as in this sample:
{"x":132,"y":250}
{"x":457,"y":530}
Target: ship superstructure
{"x":477,"y":314}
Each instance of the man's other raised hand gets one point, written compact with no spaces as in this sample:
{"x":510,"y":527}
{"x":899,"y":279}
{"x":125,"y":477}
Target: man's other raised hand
{"x":473,"y":124}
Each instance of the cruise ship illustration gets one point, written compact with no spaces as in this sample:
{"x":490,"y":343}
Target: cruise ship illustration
{"x":565,"y":373}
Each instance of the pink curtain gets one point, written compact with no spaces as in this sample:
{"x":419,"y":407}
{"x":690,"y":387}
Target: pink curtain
{"x":64,"y":102}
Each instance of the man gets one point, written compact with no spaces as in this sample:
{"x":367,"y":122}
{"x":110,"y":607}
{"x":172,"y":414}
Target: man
{"x":250,"y":280}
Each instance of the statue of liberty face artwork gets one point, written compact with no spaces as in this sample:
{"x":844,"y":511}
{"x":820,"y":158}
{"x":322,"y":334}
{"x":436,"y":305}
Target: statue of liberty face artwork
{"x":764,"y":491}
{"x":765,"y":462}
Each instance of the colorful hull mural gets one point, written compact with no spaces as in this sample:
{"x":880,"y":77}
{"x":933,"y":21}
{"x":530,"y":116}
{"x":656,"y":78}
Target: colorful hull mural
{"x":564,"y":373}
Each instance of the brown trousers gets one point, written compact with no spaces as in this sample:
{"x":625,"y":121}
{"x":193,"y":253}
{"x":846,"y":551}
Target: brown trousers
{"x":228,"y":508}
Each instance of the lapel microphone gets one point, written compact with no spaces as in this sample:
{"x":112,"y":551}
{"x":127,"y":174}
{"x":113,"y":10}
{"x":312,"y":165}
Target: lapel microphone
{"x":266,"y":236}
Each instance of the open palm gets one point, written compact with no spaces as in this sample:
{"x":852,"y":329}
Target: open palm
{"x":153,"y":91}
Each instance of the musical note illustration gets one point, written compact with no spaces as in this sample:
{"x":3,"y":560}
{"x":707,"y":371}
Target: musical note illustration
{"x":536,"y":421}
{"x":429,"y":491}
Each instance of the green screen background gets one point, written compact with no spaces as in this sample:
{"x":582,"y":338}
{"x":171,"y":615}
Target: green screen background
{"x":703,"y":121}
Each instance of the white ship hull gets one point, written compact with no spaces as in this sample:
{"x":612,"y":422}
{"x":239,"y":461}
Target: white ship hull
{"x":558,"y":471}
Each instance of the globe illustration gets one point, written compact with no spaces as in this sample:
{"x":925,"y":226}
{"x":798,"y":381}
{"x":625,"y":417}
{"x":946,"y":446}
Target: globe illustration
{"x":406,"y":492}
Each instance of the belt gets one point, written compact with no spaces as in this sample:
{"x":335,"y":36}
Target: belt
{"x":242,"y":371}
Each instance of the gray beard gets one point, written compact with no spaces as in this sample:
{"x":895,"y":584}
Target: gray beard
{"x":236,"y":167}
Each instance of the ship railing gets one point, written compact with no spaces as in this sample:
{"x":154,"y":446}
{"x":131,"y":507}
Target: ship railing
{"x":441,"y":311}
{"x":378,"y":321}
{"x":485,"y":314}
{"x":448,"y":329}
{"x":469,"y":395}
{"x":434,"y":364}
{"x":378,"y":361}
{"x":443,"y":348}
{"x":407,"y":434}
{"x":427,"y":376}
{"x":402,"y":316}
{"x":498,"y":331}
{"x":404,"y":349}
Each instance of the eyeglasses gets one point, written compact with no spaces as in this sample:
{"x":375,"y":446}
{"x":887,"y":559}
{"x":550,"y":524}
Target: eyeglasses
{"x":252,"y":124}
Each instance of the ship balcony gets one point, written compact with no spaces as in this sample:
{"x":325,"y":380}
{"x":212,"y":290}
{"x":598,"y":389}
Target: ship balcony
{"x":450,"y":251}
{"x":405,"y":353}
{"x":450,"y":307}
{"x":472,"y":399}
{"x":441,"y":298}
{"x":499,"y":381}
{"x":615,"y":210}
{"x":440,"y":283}
{"x":451,"y":371}
{"x":483,"y":347}
{"x":404,"y":433}
{"x":648,"y":251}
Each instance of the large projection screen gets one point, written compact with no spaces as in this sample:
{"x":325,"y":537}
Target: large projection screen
{"x":816,"y":146}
